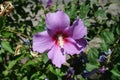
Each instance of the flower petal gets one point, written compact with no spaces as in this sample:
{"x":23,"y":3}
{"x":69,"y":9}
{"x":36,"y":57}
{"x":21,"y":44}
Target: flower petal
{"x":78,"y":29}
{"x":57,"y":55}
{"x":42,"y":42}
{"x":49,"y":3}
{"x":82,"y":42}
{"x":71,"y":46}
{"x":57,"y":21}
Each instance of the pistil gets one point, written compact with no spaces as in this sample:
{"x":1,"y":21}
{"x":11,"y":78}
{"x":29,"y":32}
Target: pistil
{"x":61,"y":41}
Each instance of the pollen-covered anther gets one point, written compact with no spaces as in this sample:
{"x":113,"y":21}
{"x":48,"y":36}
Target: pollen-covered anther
{"x":60,"y":41}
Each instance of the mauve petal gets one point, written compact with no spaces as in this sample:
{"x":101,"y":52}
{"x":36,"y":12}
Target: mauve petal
{"x":57,"y":21}
{"x":82,"y":42}
{"x":78,"y":29}
{"x":49,"y":3}
{"x":57,"y":55}
{"x":68,"y":31}
{"x":42,"y":42}
{"x":71,"y":46}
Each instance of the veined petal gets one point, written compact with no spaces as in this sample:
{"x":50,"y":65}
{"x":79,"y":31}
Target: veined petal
{"x":82,"y":42}
{"x":78,"y":29}
{"x":42,"y":42}
{"x":71,"y":46}
{"x":57,"y":21}
{"x":57,"y":55}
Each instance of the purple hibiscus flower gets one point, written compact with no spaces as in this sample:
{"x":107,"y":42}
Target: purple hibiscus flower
{"x":60,"y":38}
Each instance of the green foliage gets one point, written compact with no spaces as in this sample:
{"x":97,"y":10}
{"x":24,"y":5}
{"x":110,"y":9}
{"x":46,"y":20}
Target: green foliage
{"x":118,"y":30}
{"x":93,"y":59}
{"x":45,"y":57}
{"x":116,"y":72}
{"x":84,"y":9}
{"x":93,"y":56}
{"x":6,"y":46}
{"x":2,"y":21}
{"x":107,"y":36}
{"x":90,"y":66}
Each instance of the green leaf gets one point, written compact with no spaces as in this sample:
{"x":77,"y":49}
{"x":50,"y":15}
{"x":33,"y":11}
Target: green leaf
{"x":11,"y":64}
{"x":56,"y":72}
{"x":104,"y":47}
{"x":28,"y":64}
{"x":80,"y":77}
{"x":2,"y":21}
{"x":1,"y":59}
{"x":45,"y":57}
{"x":72,"y":11}
{"x":42,"y":77}
{"x":52,"y":69}
{"x":101,"y":16}
{"x":40,"y":27}
{"x":86,"y":22}
{"x":90,"y":67}
{"x":107,"y":36}
{"x":93,"y":1}
{"x":101,"y":13}
{"x":34,"y":75}
{"x":118,"y":30}
{"x":115,"y":71}
{"x":7,"y":34}
{"x":84,"y":9}
{"x":59,"y":73}
{"x":6,"y":46}
{"x":93,"y":56}
{"x":5,"y":73}
{"x":25,"y":78}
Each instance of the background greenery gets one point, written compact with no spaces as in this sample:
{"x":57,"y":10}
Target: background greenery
{"x":18,"y":62}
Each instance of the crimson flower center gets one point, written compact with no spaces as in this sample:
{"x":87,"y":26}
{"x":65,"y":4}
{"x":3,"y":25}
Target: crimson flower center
{"x":59,"y":39}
